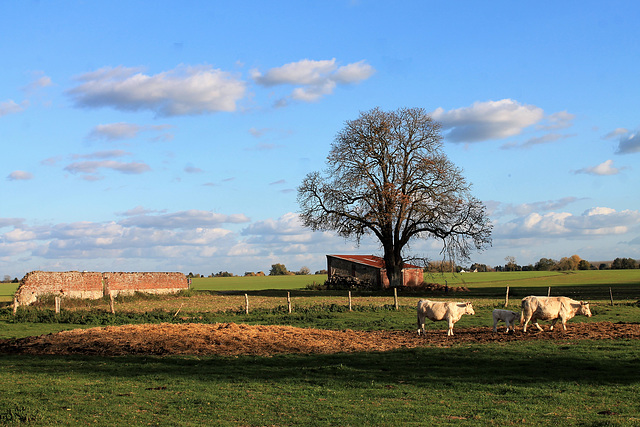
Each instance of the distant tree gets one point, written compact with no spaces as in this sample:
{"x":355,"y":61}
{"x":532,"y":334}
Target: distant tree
{"x":602,"y":266}
{"x":584,"y":265}
{"x":321,"y":272}
{"x":624,"y":263}
{"x":545,"y":264}
{"x":278,"y":270}
{"x":511,"y":264}
{"x":481,"y":268}
{"x":223,"y":274}
{"x":7,"y":278}
{"x":387,"y":176}
{"x":304,"y":271}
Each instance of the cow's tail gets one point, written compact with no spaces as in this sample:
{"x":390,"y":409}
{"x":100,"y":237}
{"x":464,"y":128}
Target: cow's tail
{"x":522,"y":312}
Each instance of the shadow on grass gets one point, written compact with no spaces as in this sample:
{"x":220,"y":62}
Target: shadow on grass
{"x":583,"y":362}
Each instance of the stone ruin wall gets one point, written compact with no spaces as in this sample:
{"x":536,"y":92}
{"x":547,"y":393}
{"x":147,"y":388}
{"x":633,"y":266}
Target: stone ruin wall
{"x":94,"y":285}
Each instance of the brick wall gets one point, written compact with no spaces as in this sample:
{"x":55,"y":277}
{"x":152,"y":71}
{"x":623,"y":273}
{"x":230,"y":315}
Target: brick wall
{"x":93,"y":285}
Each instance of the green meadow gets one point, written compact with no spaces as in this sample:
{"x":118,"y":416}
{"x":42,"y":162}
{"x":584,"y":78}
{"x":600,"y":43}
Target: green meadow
{"x":546,"y":383}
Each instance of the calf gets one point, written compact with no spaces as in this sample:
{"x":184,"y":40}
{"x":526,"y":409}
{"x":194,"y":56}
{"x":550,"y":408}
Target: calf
{"x":436,"y":311}
{"x":551,"y":308}
{"x":508,"y":317}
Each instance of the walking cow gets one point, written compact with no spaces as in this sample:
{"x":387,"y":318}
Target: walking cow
{"x":436,"y":311}
{"x":551,"y":308}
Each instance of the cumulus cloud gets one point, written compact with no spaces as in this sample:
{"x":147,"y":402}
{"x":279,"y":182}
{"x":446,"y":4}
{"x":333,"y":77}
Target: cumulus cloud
{"x":487,"y":120}
{"x":185,"y":90}
{"x":314,"y":79}
{"x":604,"y":168}
{"x":11,"y":107}
{"x":597,"y":221}
{"x":20,"y":176}
{"x":629,"y":143}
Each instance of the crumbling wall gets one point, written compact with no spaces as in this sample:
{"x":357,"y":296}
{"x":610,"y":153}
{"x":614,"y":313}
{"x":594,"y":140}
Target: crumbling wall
{"x":93,"y":285}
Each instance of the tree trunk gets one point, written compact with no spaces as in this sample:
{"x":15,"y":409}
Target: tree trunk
{"x":393,"y":265}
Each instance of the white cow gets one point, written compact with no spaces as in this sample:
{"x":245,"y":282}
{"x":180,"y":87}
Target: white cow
{"x":436,"y":311}
{"x":551,"y":308}
{"x":508,"y":317}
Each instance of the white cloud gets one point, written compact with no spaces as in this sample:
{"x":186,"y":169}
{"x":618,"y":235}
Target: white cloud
{"x":544,"y":139}
{"x":91,"y":167}
{"x":604,"y":168}
{"x":596,"y":221}
{"x":122,"y":130}
{"x":184,"y":219}
{"x":184,"y":90}
{"x":11,"y":107}
{"x":487,"y":120}
{"x":40,"y":81}
{"x":497,"y":209}
{"x":559,"y":120}
{"x":20,"y":176}
{"x":616,"y":132}
{"x":314,"y":79}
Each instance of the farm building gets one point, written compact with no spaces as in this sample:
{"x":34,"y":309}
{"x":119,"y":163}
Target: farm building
{"x":94,"y":285}
{"x":370,"y":268}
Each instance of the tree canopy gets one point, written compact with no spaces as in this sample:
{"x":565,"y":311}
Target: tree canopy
{"x":387,"y":176}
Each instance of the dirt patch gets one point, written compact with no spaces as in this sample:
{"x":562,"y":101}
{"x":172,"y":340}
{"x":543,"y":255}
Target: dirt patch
{"x":238,"y":339}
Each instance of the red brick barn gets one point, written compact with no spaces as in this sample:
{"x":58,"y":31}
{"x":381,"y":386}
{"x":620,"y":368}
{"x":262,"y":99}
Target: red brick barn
{"x":371,"y":268}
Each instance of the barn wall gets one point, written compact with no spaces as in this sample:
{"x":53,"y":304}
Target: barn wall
{"x":344,"y":267}
{"x":93,"y":285}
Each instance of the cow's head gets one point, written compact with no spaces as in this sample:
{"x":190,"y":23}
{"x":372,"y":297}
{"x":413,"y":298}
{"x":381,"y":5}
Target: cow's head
{"x":584,"y":309}
{"x":468,"y":309}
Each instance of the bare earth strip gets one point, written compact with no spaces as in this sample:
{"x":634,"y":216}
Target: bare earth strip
{"x":238,"y":339}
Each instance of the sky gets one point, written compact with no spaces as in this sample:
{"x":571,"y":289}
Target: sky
{"x":172,"y":136}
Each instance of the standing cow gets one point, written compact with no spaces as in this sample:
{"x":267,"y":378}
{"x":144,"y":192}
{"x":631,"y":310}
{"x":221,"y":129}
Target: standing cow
{"x":436,"y":311}
{"x":509,"y":317}
{"x":551,"y":308}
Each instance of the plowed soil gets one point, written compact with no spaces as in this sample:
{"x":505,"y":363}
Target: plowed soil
{"x":239,"y":339}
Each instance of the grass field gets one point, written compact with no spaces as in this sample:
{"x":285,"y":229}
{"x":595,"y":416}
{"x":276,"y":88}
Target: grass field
{"x":594,"y":383}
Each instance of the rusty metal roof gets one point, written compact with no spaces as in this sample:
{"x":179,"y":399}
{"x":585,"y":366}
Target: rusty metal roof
{"x":370,"y":260}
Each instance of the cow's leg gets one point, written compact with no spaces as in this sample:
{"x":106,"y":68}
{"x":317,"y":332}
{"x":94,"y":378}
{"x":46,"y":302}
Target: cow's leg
{"x":450,"y":331}
{"x":495,"y":324}
{"x":526,"y":322}
{"x":553,"y":323}
{"x":420,"y":324}
{"x":535,"y":322}
{"x":508,"y":326}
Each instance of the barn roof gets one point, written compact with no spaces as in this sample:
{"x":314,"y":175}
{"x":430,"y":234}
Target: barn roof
{"x":370,"y":260}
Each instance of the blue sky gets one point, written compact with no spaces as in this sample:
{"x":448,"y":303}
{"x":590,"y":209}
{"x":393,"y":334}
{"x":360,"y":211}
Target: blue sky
{"x":171,"y":136}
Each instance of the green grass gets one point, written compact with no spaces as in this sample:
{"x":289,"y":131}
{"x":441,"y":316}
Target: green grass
{"x":255,"y":283}
{"x":533,"y":383}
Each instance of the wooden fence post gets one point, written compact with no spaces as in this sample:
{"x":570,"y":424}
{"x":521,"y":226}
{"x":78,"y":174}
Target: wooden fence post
{"x":349,"y":300}
{"x":15,"y":306}
{"x":506,"y":298}
{"x":246,"y":303}
{"x":395,"y":297}
{"x":611,"y":296}
{"x":112,"y":304}
{"x":549,"y":292}
{"x":57,"y":302}
{"x":289,"y":301}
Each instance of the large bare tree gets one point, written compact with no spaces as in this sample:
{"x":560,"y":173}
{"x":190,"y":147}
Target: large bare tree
{"x":388,"y":176}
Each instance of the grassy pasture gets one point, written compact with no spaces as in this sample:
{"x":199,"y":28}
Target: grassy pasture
{"x":544,"y":383}
{"x":536,"y":383}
